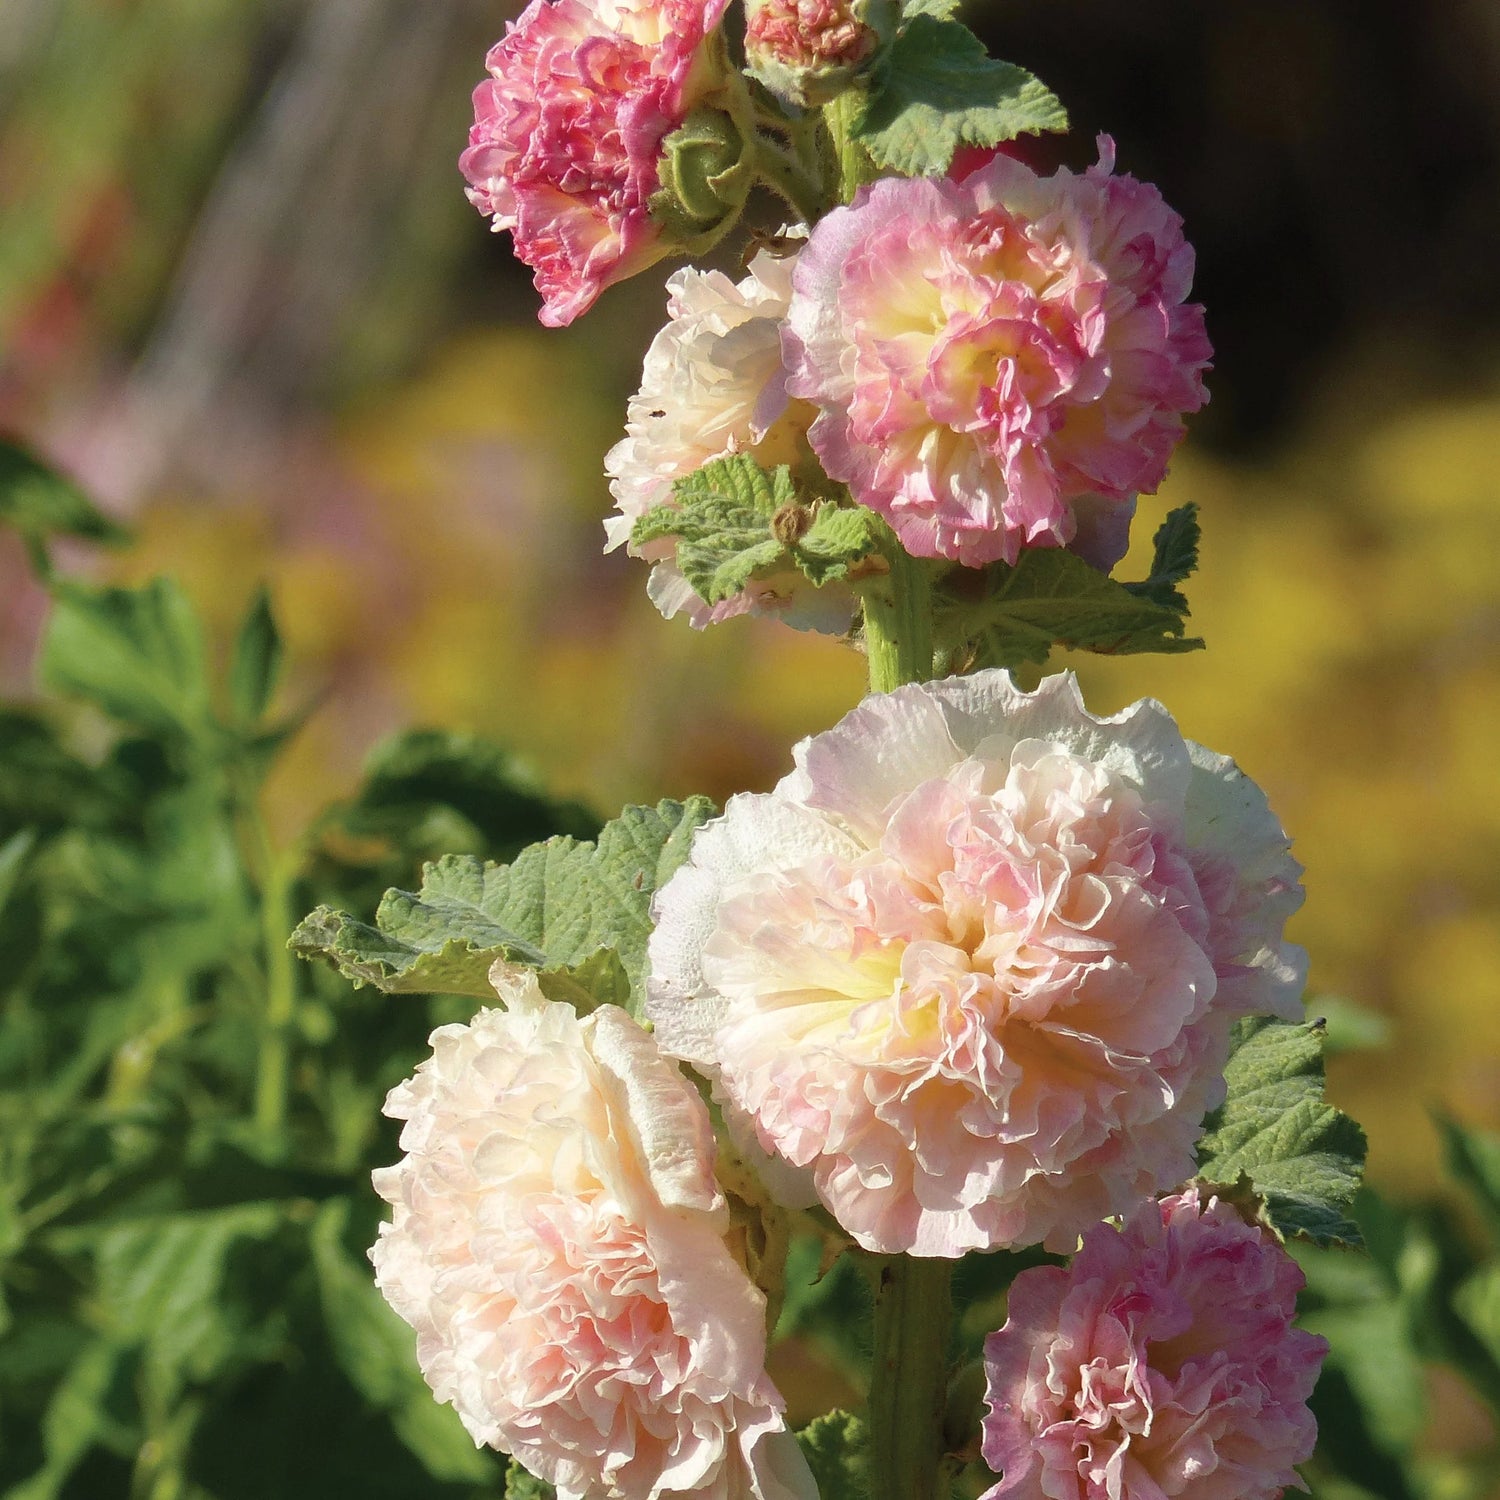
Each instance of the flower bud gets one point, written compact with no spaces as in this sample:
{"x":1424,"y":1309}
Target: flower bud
{"x":707,"y":168}
{"x":807,"y":51}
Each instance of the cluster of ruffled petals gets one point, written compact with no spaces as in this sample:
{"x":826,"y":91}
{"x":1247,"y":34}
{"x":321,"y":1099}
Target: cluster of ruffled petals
{"x":1161,"y":1362}
{"x":713,"y":385}
{"x":557,"y":1243}
{"x":567,"y":136}
{"x":1001,"y":361}
{"x":805,"y":49}
{"x":968,"y":973}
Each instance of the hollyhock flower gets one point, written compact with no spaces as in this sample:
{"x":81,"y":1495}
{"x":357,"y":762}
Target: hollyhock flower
{"x":1162,"y":1361}
{"x":568,"y":130}
{"x":993,"y":354}
{"x":713,"y":385}
{"x":557,"y":1243}
{"x":968,"y":973}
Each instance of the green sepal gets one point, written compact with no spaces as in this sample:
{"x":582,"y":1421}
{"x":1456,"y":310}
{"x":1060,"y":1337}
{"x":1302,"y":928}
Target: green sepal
{"x":1303,"y":1157}
{"x":836,"y":1447}
{"x":575,"y":911}
{"x":520,"y":1485}
{"x":1003,"y":616}
{"x":940,"y":90}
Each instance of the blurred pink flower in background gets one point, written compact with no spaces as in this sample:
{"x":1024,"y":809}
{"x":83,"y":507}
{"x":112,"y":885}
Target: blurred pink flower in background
{"x":1161,"y":1362}
{"x":557,"y":1243}
{"x":991,"y":354}
{"x":968,"y":973}
{"x":567,"y":136}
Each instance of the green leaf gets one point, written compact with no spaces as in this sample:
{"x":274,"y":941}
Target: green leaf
{"x":1473,"y":1157}
{"x":940,"y":91}
{"x":40,"y":503}
{"x":519,"y":1485}
{"x":13,"y":854}
{"x":559,"y":907}
{"x":1176,"y":557}
{"x":939,"y":9}
{"x":160,"y":1284}
{"x":735,"y":521}
{"x":378,"y":1352}
{"x":722,"y":517}
{"x":836,"y":1447}
{"x":74,"y":1421}
{"x":840,"y":543}
{"x":1012,"y":615}
{"x":137,"y":653}
{"x":256,"y":666}
{"x":1303,"y":1156}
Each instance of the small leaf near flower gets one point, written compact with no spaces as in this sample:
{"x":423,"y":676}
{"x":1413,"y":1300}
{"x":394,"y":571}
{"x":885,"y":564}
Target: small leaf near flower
{"x":735,"y":521}
{"x":1303,"y":1156}
{"x":1006,"y":616}
{"x":577,"y":912}
{"x":942,"y":91}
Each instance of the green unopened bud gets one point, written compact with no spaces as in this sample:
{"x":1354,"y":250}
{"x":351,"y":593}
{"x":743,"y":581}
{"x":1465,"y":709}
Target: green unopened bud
{"x":707,"y":168}
{"x":806,"y":52}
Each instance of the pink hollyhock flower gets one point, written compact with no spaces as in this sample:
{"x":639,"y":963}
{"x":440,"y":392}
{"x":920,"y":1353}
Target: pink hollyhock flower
{"x":1161,"y":1362}
{"x":567,"y":135}
{"x":713,"y":385}
{"x":968,"y":973}
{"x":558,"y":1244}
{"x":995,"y":355}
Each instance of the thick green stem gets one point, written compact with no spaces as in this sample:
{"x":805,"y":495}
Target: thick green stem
{"x":909,"y":1385}
{"x":854,"y":165}
{"x":786,"y":177}
{"x":898,"y":624}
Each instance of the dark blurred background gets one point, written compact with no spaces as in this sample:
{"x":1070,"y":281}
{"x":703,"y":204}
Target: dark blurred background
{"x":243,"y":300}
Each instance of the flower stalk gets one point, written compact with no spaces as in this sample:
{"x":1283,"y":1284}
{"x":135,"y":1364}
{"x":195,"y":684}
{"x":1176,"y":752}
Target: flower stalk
{"x":898,"y":623}
{"x":909,"y":1386}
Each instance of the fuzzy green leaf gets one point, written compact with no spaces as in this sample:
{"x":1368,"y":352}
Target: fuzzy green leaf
{"x":39,"y":502}
{"x":735,"y":521}
{"x":840,"y":543}
{"x":836,"y":1447}
{"x":1052,"y":597}
{"x":721,"y":516}
{"x":1303,"y":1156}
{"x":1176,"y":556}
{"x":578,"y":912}
{"x":940,"y":91}
{"x":137,"y":653}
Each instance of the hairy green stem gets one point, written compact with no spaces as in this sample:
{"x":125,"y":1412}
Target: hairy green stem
{"x":852,"y":160}
{"x":898,"y":624}
{"x":909,"y":1384}
{"x":787,"y":178}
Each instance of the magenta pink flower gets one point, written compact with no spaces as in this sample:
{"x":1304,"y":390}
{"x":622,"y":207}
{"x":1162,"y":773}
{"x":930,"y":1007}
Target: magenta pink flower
{"x":1161,"y":1362}
{"x":567,"y":135}
{"x":967,"y":974}
{"x":997,"y":358}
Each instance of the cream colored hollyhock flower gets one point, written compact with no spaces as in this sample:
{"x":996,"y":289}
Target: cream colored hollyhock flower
{"x":713,"y":385}
{"x":968,"y":973}
{"x":557,"y":1243}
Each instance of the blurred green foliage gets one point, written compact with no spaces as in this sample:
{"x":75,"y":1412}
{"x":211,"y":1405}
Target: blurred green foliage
{"x":188,"y":1116}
